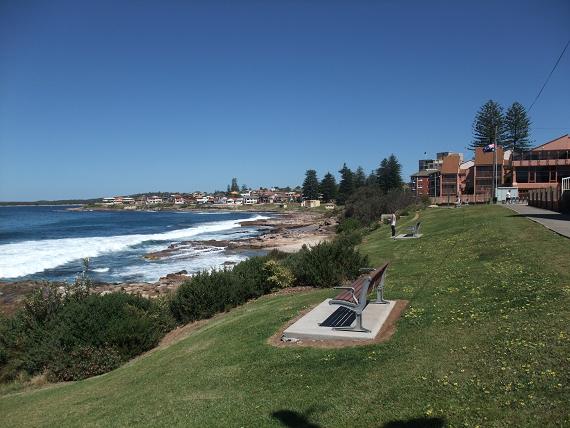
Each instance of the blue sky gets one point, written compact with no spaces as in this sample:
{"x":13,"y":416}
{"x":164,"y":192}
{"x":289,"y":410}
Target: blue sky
{"x":106,"y":98}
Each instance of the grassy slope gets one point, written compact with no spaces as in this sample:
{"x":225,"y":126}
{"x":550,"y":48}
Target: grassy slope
{"x":485,"y":341}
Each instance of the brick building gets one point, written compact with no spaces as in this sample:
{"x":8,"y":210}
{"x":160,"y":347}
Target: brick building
{"x":542,"y":167}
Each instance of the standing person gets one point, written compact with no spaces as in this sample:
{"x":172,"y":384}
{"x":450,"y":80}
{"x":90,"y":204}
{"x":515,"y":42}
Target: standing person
{"x":393,"y":225}
{"x":508,"y":197}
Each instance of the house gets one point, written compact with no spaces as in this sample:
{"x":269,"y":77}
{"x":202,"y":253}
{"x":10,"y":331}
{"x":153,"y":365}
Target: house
{"x":541,"y":167}
{"x":311,"y":203}
{"x":202,"y":200}
{"x":178,"y":200}
{"x":108,"y":201}
{"x":250,"y":200}
{"x":153,"y":200}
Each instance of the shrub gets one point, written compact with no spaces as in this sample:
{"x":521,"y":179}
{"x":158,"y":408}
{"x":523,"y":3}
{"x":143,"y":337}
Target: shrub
{"x":348,"y":225}
{"x":60,"y":333}
{"x":83,"y":362}
{"x":327,"y":264}
{"x":205,"y":294}
{"x":278,"y":275}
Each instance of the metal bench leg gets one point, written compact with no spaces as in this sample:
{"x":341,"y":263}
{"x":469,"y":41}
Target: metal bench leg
{"x":357,"y":328}
{"x":380,"y":297}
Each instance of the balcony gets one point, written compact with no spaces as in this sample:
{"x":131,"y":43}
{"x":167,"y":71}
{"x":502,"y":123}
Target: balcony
{"x":541,"y":158}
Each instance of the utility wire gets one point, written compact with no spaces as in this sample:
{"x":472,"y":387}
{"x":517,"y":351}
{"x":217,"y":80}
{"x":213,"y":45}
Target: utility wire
{"x":548,"y":78}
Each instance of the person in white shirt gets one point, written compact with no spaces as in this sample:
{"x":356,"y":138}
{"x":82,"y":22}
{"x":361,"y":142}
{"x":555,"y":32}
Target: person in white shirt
{"x":508,"y":197}
{"x":393,"y":225}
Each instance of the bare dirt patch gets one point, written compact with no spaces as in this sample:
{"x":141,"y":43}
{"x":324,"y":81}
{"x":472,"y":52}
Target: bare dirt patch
{"x":385,"y":333}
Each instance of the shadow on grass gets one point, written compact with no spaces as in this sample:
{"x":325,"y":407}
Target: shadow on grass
{"x":289,"y":418}
{"x":416,"y":423}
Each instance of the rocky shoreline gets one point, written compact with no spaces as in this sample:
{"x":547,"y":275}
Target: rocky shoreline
{"x":287,"y":232}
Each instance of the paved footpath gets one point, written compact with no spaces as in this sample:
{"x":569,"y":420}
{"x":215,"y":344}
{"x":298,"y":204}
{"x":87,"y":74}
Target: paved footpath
{"x":554,"y":221}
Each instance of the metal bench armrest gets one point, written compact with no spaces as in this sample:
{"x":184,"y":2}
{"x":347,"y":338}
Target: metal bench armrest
{"x":351,"y":291}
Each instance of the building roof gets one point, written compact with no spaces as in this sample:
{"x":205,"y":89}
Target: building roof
{"x":560,"y":143}
{"x":467,"y":164}
{"x":422,"y":173}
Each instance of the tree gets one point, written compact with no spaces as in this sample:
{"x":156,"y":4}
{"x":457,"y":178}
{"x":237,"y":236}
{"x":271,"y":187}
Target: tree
{"x":517,"y":126}
{"x":311,"y":185}
{"x":346,"y":186}
{"x":234,"y":187}
{"x":389,"y":174}
{"x":488,"y":122}
{"x":328,"y":187}
{"x":359,"y":178}
{"x":372,"y":179}
{"x":244,"y":188}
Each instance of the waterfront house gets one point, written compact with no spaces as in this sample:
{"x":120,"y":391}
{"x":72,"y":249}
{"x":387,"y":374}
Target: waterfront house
{"x":311,"y":203}
{"x":153,"y":200}
{"x":108,"y":201}
{"x":178,"y":200}
{"x":250,"y":200}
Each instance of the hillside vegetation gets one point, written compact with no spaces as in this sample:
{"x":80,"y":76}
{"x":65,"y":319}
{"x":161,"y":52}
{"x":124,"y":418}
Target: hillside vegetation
{"x":485,"y":341}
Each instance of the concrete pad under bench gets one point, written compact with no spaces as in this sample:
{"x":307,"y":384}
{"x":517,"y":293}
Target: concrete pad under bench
{"x":373,"y":318}
{"x":408,"y":236}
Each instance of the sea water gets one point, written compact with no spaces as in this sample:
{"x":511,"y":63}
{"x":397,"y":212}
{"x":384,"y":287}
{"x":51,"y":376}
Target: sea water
{"x":49,"y":242}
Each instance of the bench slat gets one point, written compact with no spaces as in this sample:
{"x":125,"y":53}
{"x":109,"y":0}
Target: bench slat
{"x":376,"y":275}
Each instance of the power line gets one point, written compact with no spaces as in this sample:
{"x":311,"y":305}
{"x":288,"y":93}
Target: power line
{"x":548,"y":78}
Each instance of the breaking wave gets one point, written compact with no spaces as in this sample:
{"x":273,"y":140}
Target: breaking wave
{"x":29,"y":257}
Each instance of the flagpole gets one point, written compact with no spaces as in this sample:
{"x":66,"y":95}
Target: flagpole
{"x":494,"y":196}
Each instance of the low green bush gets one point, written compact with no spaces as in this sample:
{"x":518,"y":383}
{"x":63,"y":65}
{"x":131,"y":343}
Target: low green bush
{"x":348,"y":225}
{"x":278,"y":275}
{"x":83,"y":362}
{"x":67,"y":335}
{"x":327,"y":264}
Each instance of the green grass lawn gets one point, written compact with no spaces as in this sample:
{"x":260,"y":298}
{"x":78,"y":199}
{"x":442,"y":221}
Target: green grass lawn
{"x":485,"y":341}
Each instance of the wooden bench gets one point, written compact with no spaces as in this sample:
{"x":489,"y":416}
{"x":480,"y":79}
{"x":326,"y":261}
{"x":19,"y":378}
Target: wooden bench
{"x":355,"y":296}
{"x":415,"y":230}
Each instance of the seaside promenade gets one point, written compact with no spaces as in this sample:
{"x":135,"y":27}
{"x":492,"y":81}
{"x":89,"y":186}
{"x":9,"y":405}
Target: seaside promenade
{"x":552,"y":220}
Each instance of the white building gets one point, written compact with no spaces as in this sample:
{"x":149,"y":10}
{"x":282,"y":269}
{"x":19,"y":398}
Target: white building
{"x":250,"y":200}
{"x":153,"y":200}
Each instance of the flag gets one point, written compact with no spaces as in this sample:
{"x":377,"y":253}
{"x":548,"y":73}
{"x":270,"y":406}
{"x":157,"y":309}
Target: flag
{"x":489,"y":148}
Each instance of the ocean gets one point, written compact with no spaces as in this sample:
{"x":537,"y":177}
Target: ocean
{"x":49,"y":242}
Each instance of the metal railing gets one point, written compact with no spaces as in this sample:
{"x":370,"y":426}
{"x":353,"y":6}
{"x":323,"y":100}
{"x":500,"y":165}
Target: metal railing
{"x":566,"y":184}
{"x":541,"y":155}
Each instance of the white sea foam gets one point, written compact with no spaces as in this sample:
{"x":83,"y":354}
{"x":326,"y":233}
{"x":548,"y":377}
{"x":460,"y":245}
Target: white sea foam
{"x":28,"y":257}
{"x":151,"y":271}
{"x":101,"y":270}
